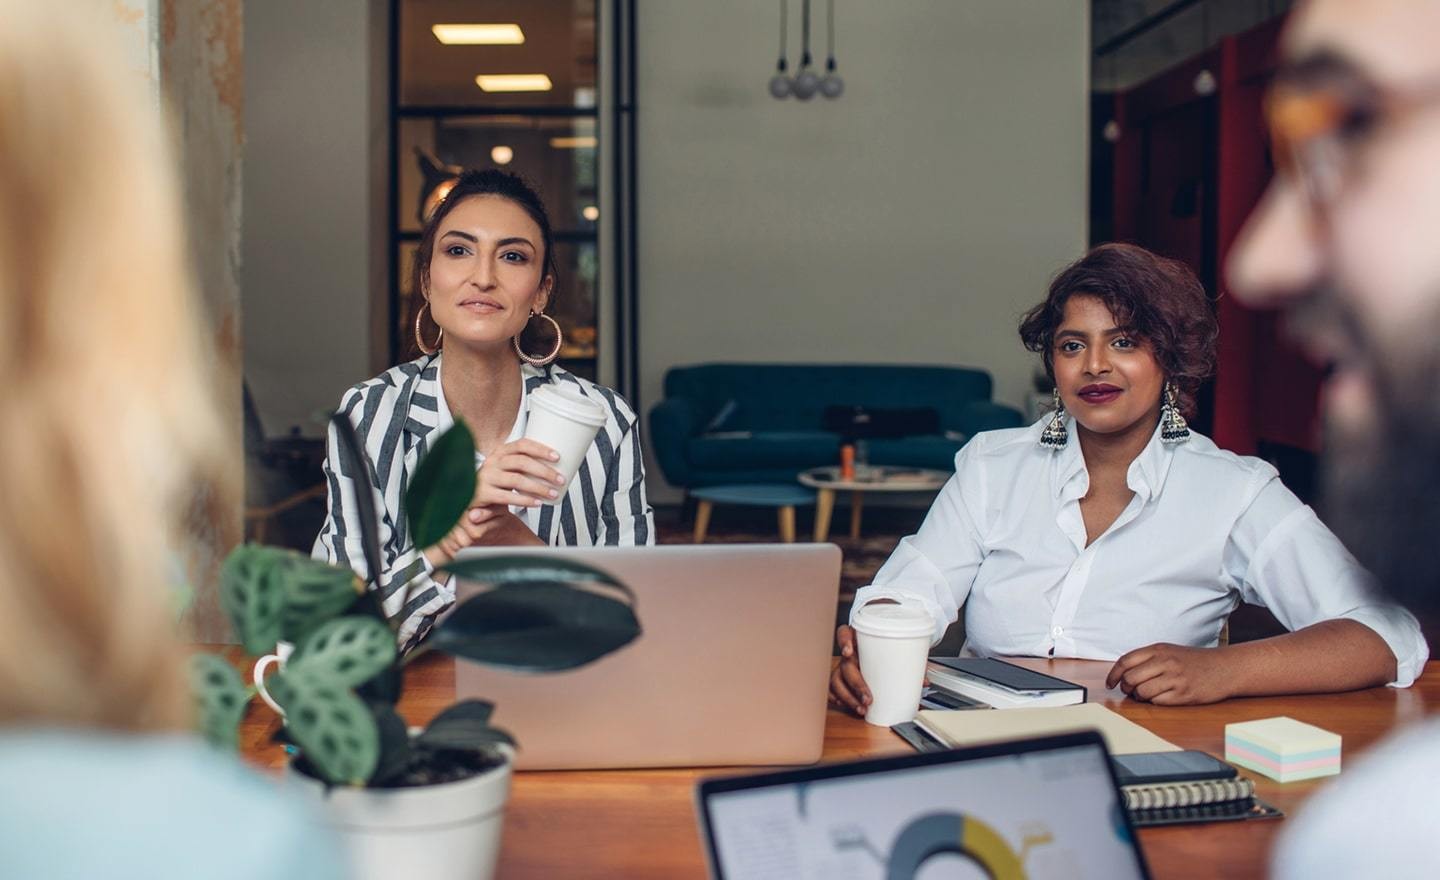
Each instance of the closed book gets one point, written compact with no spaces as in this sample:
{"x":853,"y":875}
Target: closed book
{"x":1000,"y":684}
{"x":962,"y":728}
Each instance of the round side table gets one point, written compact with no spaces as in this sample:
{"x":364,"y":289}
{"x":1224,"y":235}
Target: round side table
{"x":779,"y":495}
{"x":826,"y":481}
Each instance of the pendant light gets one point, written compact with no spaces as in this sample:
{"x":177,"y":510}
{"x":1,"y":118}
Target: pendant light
{"x":780,"y":83}
{"x":831,"y":85}
{"x":806,"y":83}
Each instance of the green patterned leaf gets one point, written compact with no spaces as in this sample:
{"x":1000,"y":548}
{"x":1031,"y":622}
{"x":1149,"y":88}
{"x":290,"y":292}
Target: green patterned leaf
{"x":315,"y":592}
{"x":536,"y":627}
{"x":220,"y":698}
{"x":500,"y":571}
{"x":443,"y":486}
{"x":252,"y":592}
{"x":348,"y":651}
{"x":334,"y":729}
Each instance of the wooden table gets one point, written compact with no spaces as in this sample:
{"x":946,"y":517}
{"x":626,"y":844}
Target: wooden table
{"x":641,"y":823}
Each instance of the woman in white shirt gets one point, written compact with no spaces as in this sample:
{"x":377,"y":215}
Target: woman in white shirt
{"x":485,"y":268}
{"x":1109,"y":531}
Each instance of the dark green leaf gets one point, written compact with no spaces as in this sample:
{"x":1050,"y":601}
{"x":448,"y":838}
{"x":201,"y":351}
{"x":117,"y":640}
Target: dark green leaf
{"x":315,"y":592}
{"x":385,"y":687}
{"x":395,"y":749}
{"x":252,"y":592}
{"x":465,"y":710}
{"x":464,"y":736}
{"x":521,"y":569}
{"x":536,"y":627}
{"x":443,"y":486}
{"x":465,"y":725}
{"x":348,"y":651}
{"x":220,"y":699}
{"x":334,"y":729}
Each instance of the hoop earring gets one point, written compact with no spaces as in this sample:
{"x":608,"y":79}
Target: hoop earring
{"x":1055,"y":436}
{"x":541,"y":360}
{"x":420,"y":339}
{"x":1173,"y":428}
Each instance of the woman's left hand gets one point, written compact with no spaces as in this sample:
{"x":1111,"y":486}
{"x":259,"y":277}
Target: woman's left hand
{"x":1172,"y":675}
{"x":496,"y":526}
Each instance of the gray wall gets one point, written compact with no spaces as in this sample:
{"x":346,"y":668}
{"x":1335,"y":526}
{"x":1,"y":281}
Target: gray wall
{"x":313,"y":240}
{"x":911,"y":221}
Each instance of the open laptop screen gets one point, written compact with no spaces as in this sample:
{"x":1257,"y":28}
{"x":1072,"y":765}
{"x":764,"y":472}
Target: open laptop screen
{"x":1032,"y":809}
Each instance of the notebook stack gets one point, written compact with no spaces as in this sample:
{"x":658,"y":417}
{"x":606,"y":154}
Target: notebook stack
{"x":1283,"y":749}
{"x":1160,"y":799}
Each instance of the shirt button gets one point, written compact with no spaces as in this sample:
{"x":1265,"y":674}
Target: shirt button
{"x":1057,"y":631}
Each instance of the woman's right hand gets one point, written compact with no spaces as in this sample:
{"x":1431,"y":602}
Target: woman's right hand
{"x":521,"y":473}
{"x":848,"y":690}
{"x":468,"y":532}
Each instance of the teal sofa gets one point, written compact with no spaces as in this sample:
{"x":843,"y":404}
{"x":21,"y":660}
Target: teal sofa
{"x":760,"y":423}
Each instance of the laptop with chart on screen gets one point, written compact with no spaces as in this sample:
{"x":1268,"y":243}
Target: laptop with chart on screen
{"x":1025,"y":810}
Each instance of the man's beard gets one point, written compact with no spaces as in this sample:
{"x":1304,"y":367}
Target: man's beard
{"x":1382,"y":492}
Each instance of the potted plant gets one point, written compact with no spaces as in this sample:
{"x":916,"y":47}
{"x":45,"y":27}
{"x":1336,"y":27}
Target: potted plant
{"x":406,"y":800}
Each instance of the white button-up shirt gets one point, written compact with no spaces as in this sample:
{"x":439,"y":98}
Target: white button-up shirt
{"x":1205,"y":530}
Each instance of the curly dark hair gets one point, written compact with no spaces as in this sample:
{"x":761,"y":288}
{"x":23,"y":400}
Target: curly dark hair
{"x":1157,"y":299}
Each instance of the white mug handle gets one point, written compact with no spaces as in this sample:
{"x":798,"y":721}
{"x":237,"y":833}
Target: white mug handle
{"x":260,"y":666}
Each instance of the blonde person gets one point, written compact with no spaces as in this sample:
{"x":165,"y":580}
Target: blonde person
{"x":485,"y":267}
{"x":106,"y":434}
{"x":1111,"y":531}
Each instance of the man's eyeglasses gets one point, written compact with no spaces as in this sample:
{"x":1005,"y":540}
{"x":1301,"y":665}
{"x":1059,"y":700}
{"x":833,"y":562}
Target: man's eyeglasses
{"x":1322,"y":114}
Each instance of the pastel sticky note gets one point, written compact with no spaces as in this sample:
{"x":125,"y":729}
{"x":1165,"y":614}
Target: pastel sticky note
{"x":1283,"y":749}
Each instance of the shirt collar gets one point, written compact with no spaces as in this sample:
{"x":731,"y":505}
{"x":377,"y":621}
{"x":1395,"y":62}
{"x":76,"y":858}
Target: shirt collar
{"x":1145,"y":477}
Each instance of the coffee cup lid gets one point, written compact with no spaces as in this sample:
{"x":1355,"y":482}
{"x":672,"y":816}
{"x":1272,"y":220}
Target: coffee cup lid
{"x":894,"y":621}
{"x":569,"y":404}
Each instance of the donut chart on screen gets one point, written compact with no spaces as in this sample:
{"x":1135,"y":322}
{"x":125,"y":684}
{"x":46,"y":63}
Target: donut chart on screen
{"x":952,"y":834}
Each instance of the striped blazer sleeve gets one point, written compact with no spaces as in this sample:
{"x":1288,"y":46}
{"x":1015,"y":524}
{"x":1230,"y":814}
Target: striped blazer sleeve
{"x":408,"y":592}
{"x":626,"y":518}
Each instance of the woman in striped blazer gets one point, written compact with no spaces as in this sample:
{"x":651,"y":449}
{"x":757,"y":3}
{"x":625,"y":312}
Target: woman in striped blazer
{"x":485,"y":268}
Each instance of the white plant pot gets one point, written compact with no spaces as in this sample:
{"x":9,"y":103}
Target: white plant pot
{"x":449,"y":831}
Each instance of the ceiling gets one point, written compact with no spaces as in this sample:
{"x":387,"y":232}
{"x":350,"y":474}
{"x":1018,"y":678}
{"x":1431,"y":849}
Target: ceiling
{"x":560,"y":42}
{"x":1136,"y":39}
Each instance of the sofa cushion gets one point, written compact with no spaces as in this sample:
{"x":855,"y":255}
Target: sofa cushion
{"x":933,"y":451}
{"x":764,"y":449}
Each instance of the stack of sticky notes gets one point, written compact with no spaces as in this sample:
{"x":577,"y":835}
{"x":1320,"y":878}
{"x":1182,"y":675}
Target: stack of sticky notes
{"x":1283,"y":749}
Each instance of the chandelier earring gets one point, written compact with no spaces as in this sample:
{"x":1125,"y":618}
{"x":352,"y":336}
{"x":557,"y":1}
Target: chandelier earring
{"x":420,"y":337}
{"x":1055,"y":436}
{"x":1173,"y":428}
{"x":539,"y":360}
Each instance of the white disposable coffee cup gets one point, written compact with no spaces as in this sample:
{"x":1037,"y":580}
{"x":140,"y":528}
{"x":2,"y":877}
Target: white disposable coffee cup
{"x":894,"y":642}
{"x":283,"y":650}
{"x":567,"y":423}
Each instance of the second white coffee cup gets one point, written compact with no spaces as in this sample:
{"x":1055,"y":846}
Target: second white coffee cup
{"x":893,"y":642}
{"x":566,"y":422}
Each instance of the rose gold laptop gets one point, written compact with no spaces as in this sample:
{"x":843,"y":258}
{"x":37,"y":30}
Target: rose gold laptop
{"x":732,"y":666}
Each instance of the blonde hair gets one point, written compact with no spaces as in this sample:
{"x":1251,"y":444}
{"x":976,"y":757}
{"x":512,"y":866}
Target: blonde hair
{"x":107,"y":426}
